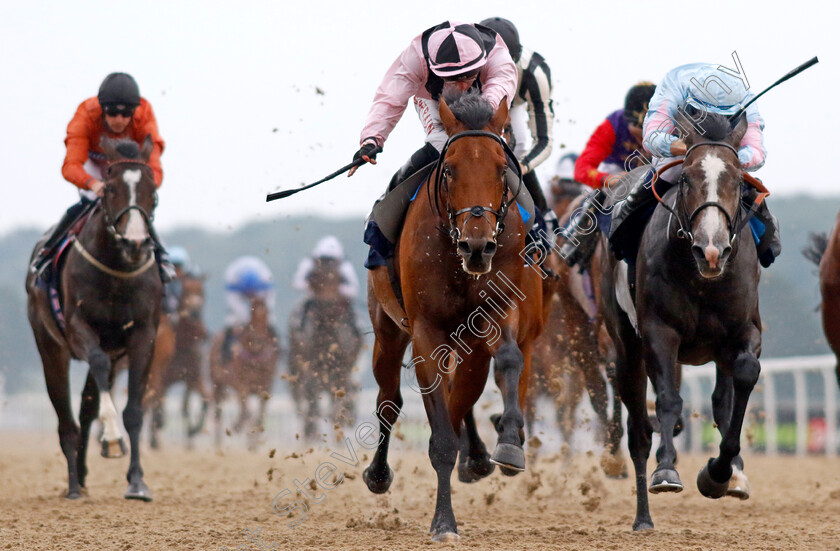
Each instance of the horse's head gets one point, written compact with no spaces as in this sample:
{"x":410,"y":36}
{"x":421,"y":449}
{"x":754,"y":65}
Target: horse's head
{"x":259,"y":312}
{"x":711,"y":190}
{"x":130,"y":197}
{"x":471,"y":177}
{"x":192,"y":296}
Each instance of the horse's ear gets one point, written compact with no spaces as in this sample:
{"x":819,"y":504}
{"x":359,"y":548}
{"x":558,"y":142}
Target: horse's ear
{"x":739,"y":128}
{"x":447,"y":118}
{"x":109,"y":147}
{"x":500,"y":119}
{"x":146,"y":151}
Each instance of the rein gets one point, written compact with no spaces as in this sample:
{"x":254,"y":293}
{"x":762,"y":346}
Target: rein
{"x":684,"y":230}
{"x":477,"y":211}
{"x":110,"y":271}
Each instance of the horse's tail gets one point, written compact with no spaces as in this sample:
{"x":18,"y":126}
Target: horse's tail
{"x":817,"y":244}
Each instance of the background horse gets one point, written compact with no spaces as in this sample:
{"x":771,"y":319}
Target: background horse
{"x":696,"y":300}
{"x":324,"y":344}
{"x":451,"y":240}
{"x":110,"y":292}
{"x":825,"y":253}
{"x":185,"y":364}
{"x":568,"y":355}
{"x":254,"y":357}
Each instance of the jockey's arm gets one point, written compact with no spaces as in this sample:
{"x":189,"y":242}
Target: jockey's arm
{"x":78,"y":149}
{"x":598,"y":148}
{"x":537,"y":87}
{"x":146,"y":125}
{"x":499,"y":76}
{"x":300,"y":280}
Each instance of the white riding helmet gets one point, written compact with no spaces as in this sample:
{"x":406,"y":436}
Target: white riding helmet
{"x":328,"y":247}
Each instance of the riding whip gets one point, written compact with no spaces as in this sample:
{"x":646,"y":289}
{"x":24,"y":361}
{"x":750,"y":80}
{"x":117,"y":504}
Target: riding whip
{"x":812,"y":61}
{"x":342,"y":170}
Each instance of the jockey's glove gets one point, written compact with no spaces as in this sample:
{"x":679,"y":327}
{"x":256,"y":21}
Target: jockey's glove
{"x":367,"y":152}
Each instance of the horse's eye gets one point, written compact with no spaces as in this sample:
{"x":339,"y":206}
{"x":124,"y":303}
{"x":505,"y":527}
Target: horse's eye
{"x":447,"y":172}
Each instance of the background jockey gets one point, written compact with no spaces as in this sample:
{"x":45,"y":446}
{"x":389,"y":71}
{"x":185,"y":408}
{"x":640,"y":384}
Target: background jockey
{"x":710,"y":88}
{"x":180,"y":260}
{"x":532,"y":114}
{"x":327,"y":250}
{"x":613,"y":142}
{"x":118,"y":111}
{"x":246,"y":277}
{"x":448,"y":58}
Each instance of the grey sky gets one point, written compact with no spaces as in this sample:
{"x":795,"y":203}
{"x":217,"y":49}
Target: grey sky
{"x":222,"y":76}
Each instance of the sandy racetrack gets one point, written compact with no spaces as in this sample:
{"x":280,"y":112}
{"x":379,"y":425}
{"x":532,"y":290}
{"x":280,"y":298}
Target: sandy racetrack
{"x":204,"y":500}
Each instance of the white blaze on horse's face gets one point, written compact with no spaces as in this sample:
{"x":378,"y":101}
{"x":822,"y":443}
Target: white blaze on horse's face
{"x":713,"y":229}
{"x":135,"y":230}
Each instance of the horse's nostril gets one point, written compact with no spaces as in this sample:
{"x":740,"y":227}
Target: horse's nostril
{"x":464,"y":248}
{"x":490,"y":247}
{"x":725,"y":254}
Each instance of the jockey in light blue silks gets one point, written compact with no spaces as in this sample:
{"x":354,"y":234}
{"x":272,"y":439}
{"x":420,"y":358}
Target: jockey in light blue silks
{"x":245,"y":278}
{"x":714,"y":89}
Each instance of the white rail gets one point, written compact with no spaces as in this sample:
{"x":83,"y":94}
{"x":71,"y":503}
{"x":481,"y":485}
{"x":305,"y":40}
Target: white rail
{"x":698,"y":380}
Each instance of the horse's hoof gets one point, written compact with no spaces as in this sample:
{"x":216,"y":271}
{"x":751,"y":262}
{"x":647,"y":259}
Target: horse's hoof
{"x":74,"y":494}
{"x":138,"y":490}
{"x":378,"y":485}
{"x":114,"y":449}
{"x":446,"y":537}
{"x":473,"y":470}
{"x":739,"y":485}
{"x":708,"y":487}
{"x":642,"y":525}
{"x":614,"y":466}
{"x":509,"y":457}
{"x":665,"y":480}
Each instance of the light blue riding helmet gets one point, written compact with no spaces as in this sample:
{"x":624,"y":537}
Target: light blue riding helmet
{"x":179,"y":256}
{"x":715,"y":97}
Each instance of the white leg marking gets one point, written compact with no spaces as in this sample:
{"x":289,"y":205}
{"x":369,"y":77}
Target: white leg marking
{"x":136,"y":228}
{"x":108,"y":418}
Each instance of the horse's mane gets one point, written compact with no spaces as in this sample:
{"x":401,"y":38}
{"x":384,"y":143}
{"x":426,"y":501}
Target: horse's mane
{"x":715,"y":127}
{"x":471,"y":108}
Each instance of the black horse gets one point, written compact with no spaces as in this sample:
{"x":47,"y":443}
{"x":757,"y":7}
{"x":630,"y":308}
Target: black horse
{"x":110,"y":293}
{"x":696,"y":300}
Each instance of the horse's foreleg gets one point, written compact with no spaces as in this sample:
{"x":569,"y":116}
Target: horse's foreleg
{"x":508,"y":372}
{"x":613,"y":462}
{"x":661,"y":343}
{"x":87,"y":413}
{"x":713,"y":480}
{"x":141,"y":345}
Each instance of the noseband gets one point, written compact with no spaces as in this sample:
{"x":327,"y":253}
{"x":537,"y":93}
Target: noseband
{"x":111,"y":222}
{"x":476,"y":211}
{"x":733,"y":227}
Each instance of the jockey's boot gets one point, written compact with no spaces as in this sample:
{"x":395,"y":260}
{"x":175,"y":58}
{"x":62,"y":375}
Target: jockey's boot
{"x":581,"y":237}
{"x":59,"y":232}
{"x":765,"y":228}
{"x":380,"y":248}
{"x":227,"y":345}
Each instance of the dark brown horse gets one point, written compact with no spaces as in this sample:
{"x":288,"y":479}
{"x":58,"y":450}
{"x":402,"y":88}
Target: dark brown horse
{"x":569,"y":354}
{"x":696,"y":301}
{"x":185,"y":364}
{"x":251,"y":370}
{"x":825,"y":253}
{"x":324,"y":344}
{"x":110,"y":291}
{"x":469,"y":298}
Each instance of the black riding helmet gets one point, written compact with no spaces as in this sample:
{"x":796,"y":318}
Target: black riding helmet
{"x":636,"y":102}
{"x":509,"y":35}
{"x":119,"y":89}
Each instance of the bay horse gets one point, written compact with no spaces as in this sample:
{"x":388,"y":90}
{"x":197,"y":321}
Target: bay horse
{"x":250,"y":371}
{"x":696,"y":300}
{"x":824,"y":251}
{"x":458,"y":229}
{"x":187,"y":362}
{"x":324,"y":344}
{"x":110,"y":293}
{"x":574,"y":345}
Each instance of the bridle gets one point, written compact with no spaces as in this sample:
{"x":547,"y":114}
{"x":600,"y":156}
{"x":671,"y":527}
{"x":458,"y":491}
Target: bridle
{"x":476,"y":211}
{"x":112,"y":221}
{"x":735,"y":226}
